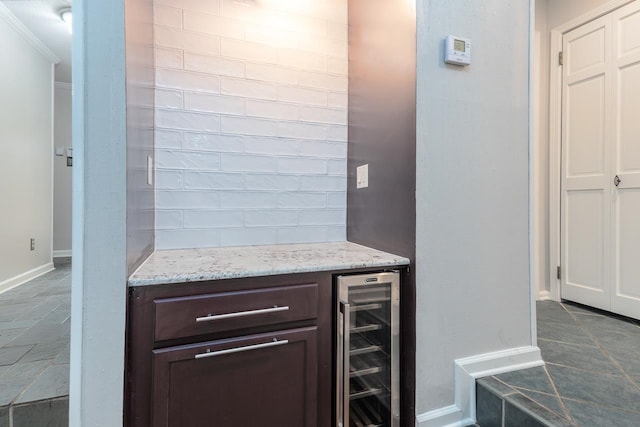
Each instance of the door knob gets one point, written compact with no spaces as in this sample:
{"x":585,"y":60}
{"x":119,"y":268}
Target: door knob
{"x":616,"y":180}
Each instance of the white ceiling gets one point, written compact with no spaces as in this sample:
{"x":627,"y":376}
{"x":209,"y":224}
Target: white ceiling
{"x":42,"y":18}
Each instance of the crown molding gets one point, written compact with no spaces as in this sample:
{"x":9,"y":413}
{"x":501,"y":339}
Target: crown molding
{"x":27,"y":35}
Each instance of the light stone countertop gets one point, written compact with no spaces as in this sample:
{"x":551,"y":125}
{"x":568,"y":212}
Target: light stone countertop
{"x":193,"y":265}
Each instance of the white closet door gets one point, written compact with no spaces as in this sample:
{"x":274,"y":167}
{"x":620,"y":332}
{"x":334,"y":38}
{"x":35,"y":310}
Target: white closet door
{"x":625,"y":296}
{"x":586,"y":164}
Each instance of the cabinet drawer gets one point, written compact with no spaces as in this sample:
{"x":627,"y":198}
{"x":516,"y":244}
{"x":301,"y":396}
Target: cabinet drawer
{"x":204,"y":314}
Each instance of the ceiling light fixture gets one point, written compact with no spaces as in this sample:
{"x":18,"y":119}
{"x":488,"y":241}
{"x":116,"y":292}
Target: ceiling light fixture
{"x":65,"y":15}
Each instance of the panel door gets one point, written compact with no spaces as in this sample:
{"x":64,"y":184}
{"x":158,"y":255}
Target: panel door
{"x":253,"y":381}
{"x":586,"y":164}
{"x":625,"y":296}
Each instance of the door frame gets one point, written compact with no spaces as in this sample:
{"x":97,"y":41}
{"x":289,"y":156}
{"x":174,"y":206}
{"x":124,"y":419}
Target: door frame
{"x":555,"y":133}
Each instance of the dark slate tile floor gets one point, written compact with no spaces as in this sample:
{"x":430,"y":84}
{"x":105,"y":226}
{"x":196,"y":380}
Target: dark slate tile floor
{"x":591,"y":377}
{"x":34,"y":349}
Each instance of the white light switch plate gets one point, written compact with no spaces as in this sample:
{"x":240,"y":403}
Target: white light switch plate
{"x":149,"y":170}
{"x":362,"y":176}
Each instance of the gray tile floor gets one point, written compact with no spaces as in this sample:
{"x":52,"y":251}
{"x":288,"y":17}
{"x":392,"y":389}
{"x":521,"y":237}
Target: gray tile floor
{"x":592,"y":372}
{"x":34,"y":345}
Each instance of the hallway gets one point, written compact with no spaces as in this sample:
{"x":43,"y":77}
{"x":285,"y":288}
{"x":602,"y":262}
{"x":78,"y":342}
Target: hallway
{"x":34,"y":351}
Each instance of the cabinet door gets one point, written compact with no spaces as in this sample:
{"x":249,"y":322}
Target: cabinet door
{"x":265,"y":380}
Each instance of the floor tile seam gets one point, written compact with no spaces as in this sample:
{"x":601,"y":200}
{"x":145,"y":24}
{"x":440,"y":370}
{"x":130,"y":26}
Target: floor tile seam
{"x":33,"y":381}
{"x":532,"y":414}
{"x":523,"y":391}
{"x":52,"y":399}
{"x":491,"y":389}
{"x":566,"y":411}
{"x":617,"y":364}
{"x":591,"y":371}
{"x":588,"y":402}
{"x":595,"y":345}
{"x":506,"y":384}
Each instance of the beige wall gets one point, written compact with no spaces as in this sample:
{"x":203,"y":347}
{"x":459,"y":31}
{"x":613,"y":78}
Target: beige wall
{"x":25,"y":155}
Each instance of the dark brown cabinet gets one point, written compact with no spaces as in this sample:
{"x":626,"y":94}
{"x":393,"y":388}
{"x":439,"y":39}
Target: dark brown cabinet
{"x":252,"y":381}
{"x":238,"y":352}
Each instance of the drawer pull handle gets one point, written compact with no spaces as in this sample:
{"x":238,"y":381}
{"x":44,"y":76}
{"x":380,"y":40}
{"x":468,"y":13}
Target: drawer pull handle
{"x":210,"y":317}
{"x":209,"y":353}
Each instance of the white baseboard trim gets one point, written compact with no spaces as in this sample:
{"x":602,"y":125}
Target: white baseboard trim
{"x":544,"y":296}
{"x":62,"y":254}
{"x":467,"y":371}
{"x":25,"y":277}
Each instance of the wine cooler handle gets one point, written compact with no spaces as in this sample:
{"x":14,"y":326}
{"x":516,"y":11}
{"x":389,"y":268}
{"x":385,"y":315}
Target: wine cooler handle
{"x":342,"y":371}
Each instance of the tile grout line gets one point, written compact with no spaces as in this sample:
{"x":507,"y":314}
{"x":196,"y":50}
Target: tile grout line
{"x":601,"y":347}
{"x":555,"y":389}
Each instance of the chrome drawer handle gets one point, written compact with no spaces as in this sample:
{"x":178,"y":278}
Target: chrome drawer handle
{"x":210,"y":317}
{"x":209,"y":353}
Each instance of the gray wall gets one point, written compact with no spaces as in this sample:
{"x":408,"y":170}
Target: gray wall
{"x":472,"y":249}
{"x":62,"y":174}
{"x":140,"y":140}
{"x":382,"y":123}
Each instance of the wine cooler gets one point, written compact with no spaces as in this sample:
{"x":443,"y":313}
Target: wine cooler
{"x":367,"y":356}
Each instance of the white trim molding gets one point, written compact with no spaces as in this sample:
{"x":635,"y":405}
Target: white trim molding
{"x":22,"y":278}
{"x":544,"y":296}
{"x":27,"y":35}
{"x":467,"y":371}
{"x":62,"y":253}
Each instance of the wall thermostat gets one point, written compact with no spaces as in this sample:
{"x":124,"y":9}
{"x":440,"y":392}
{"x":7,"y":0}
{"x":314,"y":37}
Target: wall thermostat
{"x":457,"y":51}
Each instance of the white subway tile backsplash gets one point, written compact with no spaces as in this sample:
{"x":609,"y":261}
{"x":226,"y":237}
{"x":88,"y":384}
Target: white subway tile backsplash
{"x":323,"y":115}
{"x":248,"y":236}
{"x":179,"y":39}
{"x":168,"y":139}
{"x":338,"y":100}
{"x":338,"y":133}
{"x":302,"y":95}
{"x":338,"y":66}
{"x":302,"y":234}
{"x":251,"y":107}
{"x":272,"y":110}
{"x":302,"y":166}
{"x":186,"y":200}
{"x":169,"y":179}
{"x":171,"y":159}
{"x":185,"y":80}
{"x":168,"y":220}
{"x":270,"y":218}
{"x":249,"y":126}
{"x":213,"y":219}
{"x":213,"y":65}
{"x":302,"y":130}
{"x":173,"y":119}
{"x":271,"y":146}
{"x":323,"y":81}
{"x":168,"y":58}
{"x":337,"y":167}
{"x":248,"y":163}
{"x":323,"y":149}
{"x":249,"y":51}
{"x":248,"y":200}
{"x":322,"y":217}
{"x":207,"y":6}
{"x":214,"y":103}
{"x":167,"y":16}
{"x":248,"y":88}
{"x":302,"y":60}
{"x":323,"y":183}
{"x":213,"y":142}
{"x":213,"y":181}
{"x":272,"y":182}
{"x":215,"y":25}
{"x":187,"y":239}
{"x":271,"y":73}
{"x":300,"y":200}
{"x":337,"y":200}
{"x":168,"y":99}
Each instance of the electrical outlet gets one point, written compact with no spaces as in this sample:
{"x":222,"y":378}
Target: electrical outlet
{"x":33,"y":244}
{"x":362,"y":176}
